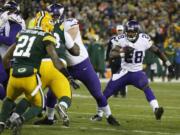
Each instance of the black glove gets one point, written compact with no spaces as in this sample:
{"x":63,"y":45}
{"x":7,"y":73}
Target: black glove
{"x":171,"y":70}
{"x":73,"y":83}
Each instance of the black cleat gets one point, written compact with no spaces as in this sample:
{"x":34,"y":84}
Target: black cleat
{"x":96,"y":118}
{"x":2,"y":126}
{"x":123,"y":92}
{"x":158,"y":113}
{"x":44,"y":121}
{"x":62,"y":111}
{"x":112,"y":121}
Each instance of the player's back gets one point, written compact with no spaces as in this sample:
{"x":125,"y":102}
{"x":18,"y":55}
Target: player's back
{"x":30,"y":48}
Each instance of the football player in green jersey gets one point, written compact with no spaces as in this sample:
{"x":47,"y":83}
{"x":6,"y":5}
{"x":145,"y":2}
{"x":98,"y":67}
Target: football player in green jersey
{"x":32,"y":45}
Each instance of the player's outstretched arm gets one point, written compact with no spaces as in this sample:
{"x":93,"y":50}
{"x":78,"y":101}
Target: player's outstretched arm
{"x":163,"y":57}
{"x":59,"y":64}
{"x":50,"y":48}
{"x":8,"y":56}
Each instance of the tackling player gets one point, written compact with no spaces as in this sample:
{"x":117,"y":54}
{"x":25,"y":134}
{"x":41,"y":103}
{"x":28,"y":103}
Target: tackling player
{"x":80,"y":67}
{"x":32,"y":45}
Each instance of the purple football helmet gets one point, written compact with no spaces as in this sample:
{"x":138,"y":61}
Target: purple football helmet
{"x":132,"y":29}
{"x":57,"y":11}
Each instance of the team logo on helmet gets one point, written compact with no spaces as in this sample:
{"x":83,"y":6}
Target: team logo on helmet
{"x":44,"y":21}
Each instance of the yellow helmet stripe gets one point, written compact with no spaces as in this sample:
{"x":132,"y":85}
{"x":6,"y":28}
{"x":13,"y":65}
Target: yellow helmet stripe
{"x":40,"y":18}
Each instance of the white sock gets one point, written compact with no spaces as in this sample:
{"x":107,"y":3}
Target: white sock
{"x":154,"y":104}
{"x":50,"y":113}
{"x":100,"y":112}
{"x":64,"y":104}
{"x":106,"y":110}
{"x":14,"y":116}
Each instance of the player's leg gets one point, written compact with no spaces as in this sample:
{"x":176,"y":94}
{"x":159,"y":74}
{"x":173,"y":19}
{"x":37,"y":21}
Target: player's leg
{"x":62,"y":92}
{"x":86,"y":74}
{"x":60,"y":89}
{"x":33,"y":92}
{"x":3,"y":78}
{"x":140,"y":80}
{"x":8,"y":103}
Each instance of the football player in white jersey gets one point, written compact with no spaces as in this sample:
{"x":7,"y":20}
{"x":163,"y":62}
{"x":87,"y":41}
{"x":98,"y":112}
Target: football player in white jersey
{"x":79,"y":67}
{"x":134,"y":44}
{"x":10,"y":24}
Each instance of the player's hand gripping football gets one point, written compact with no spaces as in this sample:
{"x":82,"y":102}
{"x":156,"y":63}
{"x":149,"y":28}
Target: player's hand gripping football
{"x":73,"y":83}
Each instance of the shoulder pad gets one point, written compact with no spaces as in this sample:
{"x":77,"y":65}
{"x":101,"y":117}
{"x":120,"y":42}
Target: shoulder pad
{"x":144,"y":36}
{"x":18,"y":19}
{"x":69,"y":23}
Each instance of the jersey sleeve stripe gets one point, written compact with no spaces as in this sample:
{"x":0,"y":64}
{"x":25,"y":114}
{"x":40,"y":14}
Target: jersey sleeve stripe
{"x":40,"y":19}
{"x":50,"y":38}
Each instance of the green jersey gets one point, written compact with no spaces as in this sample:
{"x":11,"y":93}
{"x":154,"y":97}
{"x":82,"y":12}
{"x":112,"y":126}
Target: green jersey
{"x":30,"y":48}
{"x":60,"y":39}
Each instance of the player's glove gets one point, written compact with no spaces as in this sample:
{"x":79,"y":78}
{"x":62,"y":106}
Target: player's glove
{"x":171,"y":69}
{"x":73,"y":83}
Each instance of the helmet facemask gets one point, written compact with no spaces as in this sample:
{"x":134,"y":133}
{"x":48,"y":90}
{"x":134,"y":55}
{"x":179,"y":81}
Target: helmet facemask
{"x":132,"y":30}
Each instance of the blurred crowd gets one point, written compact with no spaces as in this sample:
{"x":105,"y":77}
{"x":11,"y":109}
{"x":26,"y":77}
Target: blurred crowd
{"x":98,"y":19}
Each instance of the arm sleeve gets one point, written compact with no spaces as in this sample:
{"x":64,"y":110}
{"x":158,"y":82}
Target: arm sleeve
{"x":49,"y":39}
{"x":14,"y":29}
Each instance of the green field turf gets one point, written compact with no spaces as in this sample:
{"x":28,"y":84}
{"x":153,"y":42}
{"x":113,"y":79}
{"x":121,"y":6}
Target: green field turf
{"x":133,"y":112}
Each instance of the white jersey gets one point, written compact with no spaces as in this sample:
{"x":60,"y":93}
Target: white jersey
{"x":135,"y":61}
{"x":74,"y":60}
{"x":5,"y":27}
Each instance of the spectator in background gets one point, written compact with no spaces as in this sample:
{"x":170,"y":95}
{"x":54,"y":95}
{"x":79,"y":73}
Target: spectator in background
{"x":177,"y":62}
{"x":97,"y":53}
{"x":170,"y":53}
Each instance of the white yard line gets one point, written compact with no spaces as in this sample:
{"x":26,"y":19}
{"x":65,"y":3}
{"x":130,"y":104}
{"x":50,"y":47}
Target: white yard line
{"x":105,"y":129}
{"x":140,"y":116}
{"x":156,"y":80}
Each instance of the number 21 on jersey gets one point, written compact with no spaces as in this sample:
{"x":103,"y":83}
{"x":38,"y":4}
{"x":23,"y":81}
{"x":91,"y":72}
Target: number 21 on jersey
{"x":24,"y":46}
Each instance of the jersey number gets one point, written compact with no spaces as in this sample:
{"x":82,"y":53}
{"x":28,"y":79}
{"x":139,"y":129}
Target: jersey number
{"x":137,"y":59}
{"x":24,"y":46}
{"x":57,"y":40}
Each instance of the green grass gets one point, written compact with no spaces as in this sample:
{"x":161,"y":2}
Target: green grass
{"x":134,"y":113}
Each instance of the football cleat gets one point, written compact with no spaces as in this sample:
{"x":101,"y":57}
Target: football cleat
{"x":96,"y":118}
{"x":16,"y":126}
{"x":123,"y":93}
{"x":44,"y":121}
{"x":158,"y":113}
{"x":62,"y":111}
{"x":2,"y":126}
{"x":112,"y":121}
